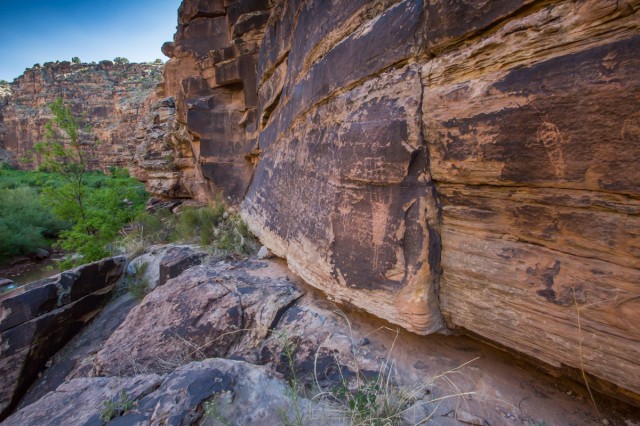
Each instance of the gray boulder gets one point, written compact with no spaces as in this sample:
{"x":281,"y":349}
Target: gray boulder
{"x":38,"y":319}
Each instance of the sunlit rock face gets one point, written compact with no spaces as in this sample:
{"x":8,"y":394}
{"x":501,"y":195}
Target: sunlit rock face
{"x":5,"y":92}
{"x":212,"y":76}
{"x":439,"y":164}
{"x":107,"y":97}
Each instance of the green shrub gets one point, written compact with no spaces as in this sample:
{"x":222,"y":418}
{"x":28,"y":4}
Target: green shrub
{"x":211,"y":226}
{"x":117,"y":407}
{"x":97,"y":206}
{"x":198,"y":224}
{"x":25,"y":224}
{"x":109,"y":207}
{"x":38,"y":206}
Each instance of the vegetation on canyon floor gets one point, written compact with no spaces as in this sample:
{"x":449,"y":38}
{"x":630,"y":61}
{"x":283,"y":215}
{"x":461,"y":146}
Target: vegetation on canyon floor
{"x":213,"y":226}
{"x":92,"y":215}
{"x":38,"y":211}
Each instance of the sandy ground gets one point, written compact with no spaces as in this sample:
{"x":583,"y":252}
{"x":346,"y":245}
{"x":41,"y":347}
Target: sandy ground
{"x":500,"y":388}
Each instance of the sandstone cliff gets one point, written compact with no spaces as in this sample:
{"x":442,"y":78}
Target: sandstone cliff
{"x":440,"y":164}
{"x":212,"y":76}
{"x":5,"y":92}
{"x":110,"y":97}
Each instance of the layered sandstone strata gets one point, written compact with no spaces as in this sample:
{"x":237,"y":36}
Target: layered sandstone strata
{"x":37,"y":320}
{"x":108,"y":97}
{"x":5,"y":92}
{"x":439,"y":164}
{"x":212,"y":76}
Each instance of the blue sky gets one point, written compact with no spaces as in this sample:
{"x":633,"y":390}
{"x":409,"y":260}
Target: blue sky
{"x":38,"y":31}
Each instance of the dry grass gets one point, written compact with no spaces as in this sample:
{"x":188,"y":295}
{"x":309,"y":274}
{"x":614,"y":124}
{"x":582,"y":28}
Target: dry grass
{"x":377,"y":401}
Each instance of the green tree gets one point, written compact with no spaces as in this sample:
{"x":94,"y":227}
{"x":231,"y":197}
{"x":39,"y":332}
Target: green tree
{"x":121,"y":60}
{"x":158,"y":61}
{"x":64,"y":153}
{"x":75,"y":60}
{"x":97,"y":214}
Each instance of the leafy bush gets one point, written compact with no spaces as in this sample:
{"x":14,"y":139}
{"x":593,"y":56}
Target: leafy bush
{"x":211,"y":225}
{"x":96,"y":205}
{"x":117,"y":407}
{"x":25,"y":224}
{"x":109,"y":207}
{"x":40,"y":206}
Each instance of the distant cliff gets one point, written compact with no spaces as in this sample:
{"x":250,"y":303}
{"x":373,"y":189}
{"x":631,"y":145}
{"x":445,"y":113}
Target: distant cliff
{"x":109,"y":97}
{"x":5,"y":92}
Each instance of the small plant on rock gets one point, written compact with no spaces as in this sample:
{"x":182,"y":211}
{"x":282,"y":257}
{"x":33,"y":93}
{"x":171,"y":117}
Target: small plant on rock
{"x":212,"y":411}
{"x":137,"y":285}
{"x":116,"y":407}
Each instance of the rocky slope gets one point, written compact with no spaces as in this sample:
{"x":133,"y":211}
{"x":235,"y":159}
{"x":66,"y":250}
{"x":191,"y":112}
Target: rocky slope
{"x":109,"y":96}
{"x":247,"y":343}
{"x":439,"y":164}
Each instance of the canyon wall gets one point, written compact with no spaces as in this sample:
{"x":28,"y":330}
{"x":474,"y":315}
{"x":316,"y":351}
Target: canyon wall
{"x":106,"y":96}
{"x":5,"y":92}
{"x":212,"y":77}
{"x":440,"y":164}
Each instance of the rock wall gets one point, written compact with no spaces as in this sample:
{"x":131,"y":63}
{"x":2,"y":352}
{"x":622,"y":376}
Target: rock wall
{"x":441,"y":164}
{"x":37,"y":320}
{"x":110,"y":97}
{"x":212,"y":76}
{"x":5,"y":92}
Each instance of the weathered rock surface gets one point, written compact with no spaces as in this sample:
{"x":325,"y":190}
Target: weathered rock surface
{"x":242,"y":394}
{"x":163,"y":159}
{"x":38,"y":319}
{"x":5,"y":93}
{"x":76,"y":358}
{"x":212,"y":76}
{"x":80,"y":401}
{"x":205,"y":312}
{"x":162,"y":262}
{"x":307,"y":338}
{"x":462,"y":165}
{"x":111,"y":96}
{"x":535,"y":157}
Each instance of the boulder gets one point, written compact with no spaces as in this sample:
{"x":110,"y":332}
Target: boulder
{"x":206,"y":312}
{"x":38,"y":319}
{"x":213,"y":391}
{"x":219,"y":391}
{"x":6,"y":285}
{"x":264,"y":253}
{"x":76,"y":358}
{"x":81,"y":401}
{"x":162,"y":262}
